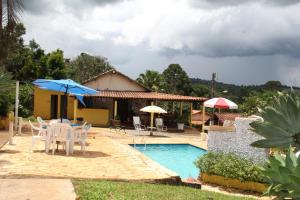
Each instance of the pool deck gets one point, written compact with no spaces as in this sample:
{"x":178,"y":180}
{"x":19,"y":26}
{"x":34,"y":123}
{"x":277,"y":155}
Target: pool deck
{"x":108,"y":156}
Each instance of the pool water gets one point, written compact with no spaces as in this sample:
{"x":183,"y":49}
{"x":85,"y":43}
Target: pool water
{"x":176,"y":157}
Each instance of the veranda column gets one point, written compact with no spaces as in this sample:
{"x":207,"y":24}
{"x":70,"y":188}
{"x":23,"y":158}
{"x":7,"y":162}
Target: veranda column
{"x":191,"y":113}
{"x":173,"y":107}
{"x":203,"y":115}
{"x":75,"y":110}
{"x":115,"y":109}
{"x":152,"y":115}
{"x":181,"y":108}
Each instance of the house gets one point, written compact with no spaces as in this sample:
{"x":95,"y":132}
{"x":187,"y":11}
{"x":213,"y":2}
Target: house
{"x":118,"y":96}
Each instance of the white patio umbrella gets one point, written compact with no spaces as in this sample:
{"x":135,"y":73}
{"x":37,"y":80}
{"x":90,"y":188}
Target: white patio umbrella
{"x":153,"y":109}
{"x":218,"y":102}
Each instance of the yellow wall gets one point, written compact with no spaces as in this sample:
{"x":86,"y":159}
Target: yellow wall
{"x":94,"y":116}
{"x":42,"y":103}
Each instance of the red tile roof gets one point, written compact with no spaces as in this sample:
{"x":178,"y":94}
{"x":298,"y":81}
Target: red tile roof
{"x":146,"y":95}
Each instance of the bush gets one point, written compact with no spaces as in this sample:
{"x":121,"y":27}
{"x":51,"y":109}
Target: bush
{"x":5,"y":104}
{"x":26,"y":100}
{"x":230,"y":166}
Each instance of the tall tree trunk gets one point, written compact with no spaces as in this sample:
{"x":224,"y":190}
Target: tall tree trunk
{"x":10,"y":12}
{"x":1,"y":16}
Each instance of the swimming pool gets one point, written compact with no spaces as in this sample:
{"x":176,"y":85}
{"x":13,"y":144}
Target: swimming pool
{"x":176,"y":157}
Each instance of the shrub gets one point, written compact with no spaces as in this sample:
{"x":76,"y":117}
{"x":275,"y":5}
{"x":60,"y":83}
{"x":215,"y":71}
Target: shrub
{"x":230,"y":166}
{"x":26,"y":100}
{"x":283,"y":173}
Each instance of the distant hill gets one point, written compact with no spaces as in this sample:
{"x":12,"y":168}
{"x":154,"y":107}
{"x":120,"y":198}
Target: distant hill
{"x":238,"y":92}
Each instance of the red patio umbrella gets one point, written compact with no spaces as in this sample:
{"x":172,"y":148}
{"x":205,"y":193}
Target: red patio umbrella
{"x":218,"y":102}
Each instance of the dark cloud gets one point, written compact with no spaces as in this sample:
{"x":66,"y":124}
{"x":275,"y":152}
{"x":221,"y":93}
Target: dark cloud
{"x":247,"y":42}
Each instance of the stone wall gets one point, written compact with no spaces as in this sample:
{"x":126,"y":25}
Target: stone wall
{"x":237,"y":141}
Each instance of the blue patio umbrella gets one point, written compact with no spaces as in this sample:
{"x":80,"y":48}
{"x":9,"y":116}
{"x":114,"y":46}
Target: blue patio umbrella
{"x":66,"y":86}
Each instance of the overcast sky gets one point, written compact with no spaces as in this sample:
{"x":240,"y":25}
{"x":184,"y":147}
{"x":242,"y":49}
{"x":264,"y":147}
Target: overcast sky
{"x":243,"y":41}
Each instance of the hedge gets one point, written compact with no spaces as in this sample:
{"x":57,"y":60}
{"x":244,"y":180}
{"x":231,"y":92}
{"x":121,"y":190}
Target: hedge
{"x":230,"y":166}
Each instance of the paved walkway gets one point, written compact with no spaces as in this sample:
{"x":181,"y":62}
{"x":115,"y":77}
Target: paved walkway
{"x":3,"y":138}
{"x":36,"y":189}
{"x":108,"y":156}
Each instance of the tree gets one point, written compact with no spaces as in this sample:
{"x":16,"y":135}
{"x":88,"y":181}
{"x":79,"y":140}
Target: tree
{"x":28,"y":63}
{"x":152,"y":80}
{"x":177,"y":80}
{"x":9,"y":26}
{"x":273,"y":85}
{"x":56,"y":65}
{"x":201,"y":90}
{"x":86,"y":66}
{"x":256,"y":101}
{"x":6,"y":87}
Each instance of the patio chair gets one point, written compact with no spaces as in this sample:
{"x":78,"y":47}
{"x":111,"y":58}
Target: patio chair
{"x":41,"y":135}
{"x":80,"y":135}
{"x":159,"y":123}
{"x":62,"y":133}
{"x":138,"y":125}
{"x":54,"y":121}
{"x":42,"y":123}
{"x":66,"y":121}
{"x":116,"y":124}
{"x":228,"y":123}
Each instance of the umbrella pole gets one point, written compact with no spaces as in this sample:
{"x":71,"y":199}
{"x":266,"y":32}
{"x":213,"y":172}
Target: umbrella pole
{"x":63,"y":110}
{"x":151,"y":121}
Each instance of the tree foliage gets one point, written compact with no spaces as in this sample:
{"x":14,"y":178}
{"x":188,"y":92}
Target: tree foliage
{"x":255,"y":101}
{"x":85,"y":66}
{"x":56,"y":65}
{"x":10,"y":28}
{"x":151,"y":79}
{"x":177,"y":80}
{"x":6,"y":88}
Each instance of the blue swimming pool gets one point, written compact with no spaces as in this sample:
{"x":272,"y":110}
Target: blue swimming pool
{"x":176,"y":157}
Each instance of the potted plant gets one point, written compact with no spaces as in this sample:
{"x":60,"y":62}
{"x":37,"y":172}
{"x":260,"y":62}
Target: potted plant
{"x":180,"y":121}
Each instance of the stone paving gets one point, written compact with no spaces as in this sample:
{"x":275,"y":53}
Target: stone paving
{"x":3,"y":137}
{"x":36,"y":189}
{"x":108,"y":156}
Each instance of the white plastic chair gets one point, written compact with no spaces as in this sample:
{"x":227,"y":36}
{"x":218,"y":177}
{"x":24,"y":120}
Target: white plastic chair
{"x":80,"y":135}
{"x":138,"y":125}
{"x":54,"y":121}
{"x":41,"y":135}
{"x":159,"y":123}
{"x":66,"y":121}
{"x":62,"y":133}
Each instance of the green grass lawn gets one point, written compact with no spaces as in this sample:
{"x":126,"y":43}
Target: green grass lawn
{"x":91,"y":189}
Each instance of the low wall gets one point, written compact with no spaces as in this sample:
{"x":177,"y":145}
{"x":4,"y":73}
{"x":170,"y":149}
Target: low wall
{"x":237,"y":141}
{"x":97,"y":117}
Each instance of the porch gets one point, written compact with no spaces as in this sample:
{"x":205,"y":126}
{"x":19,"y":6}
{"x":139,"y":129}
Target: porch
{"x":106,"y":105}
